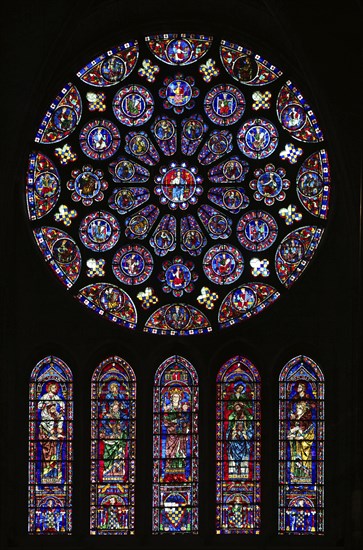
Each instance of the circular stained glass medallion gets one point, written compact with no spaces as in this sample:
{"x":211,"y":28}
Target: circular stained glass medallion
{"x":189,"y":151}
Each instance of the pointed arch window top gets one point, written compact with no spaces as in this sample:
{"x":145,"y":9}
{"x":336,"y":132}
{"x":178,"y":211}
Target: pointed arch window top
{"x":301,"y":448}
{"x":175,"y":448}
{"x":113,"y":448}
{"x":238,"y":442}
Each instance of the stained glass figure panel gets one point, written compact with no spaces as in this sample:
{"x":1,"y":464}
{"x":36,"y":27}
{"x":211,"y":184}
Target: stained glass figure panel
{"x":301,"y":448}
{"x":175,"y":454}
{"x":238,"y":441}
{"x":113,"y":448}
{"x":50,"y":448}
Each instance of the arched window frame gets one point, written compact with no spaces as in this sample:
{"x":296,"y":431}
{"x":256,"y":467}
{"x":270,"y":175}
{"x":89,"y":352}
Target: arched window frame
{"x":175,"y":496}
{"x":113,"y":499}
{"x":238,"y":503}
{"x":50,"y":448}
{"x":301,"y":436}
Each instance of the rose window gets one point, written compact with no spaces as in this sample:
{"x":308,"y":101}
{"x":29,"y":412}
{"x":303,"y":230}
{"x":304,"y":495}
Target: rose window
{"x":178,"y":184}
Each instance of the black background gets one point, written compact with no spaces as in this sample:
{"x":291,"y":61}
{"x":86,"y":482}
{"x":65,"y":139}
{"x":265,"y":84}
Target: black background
{"x":318,"y":46}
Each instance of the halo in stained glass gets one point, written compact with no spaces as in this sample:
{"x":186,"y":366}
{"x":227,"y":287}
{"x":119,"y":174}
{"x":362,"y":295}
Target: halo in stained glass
{"x":200,"y":176}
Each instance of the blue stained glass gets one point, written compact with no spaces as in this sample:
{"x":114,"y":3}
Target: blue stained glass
{"x":301,"y":448}
{"x":50,"y":448}
{"x":175,"y":427}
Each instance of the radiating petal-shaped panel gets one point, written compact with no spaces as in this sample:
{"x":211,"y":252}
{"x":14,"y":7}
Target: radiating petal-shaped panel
{"x":232,"y":170}
{"x":193,"y":130}
{"x":193,"y":239}
{"x":125,"y":199}
{"x":164,"y":236}
{"x":218,"y":145}
{"x":140,"y":146}
{"x":232,"y":199}
{"x":217,"y":225}
{"x":111,"y":67}
{"x":124,"y":170}
{"x":165,"y":133}
{"x":139,"y":225}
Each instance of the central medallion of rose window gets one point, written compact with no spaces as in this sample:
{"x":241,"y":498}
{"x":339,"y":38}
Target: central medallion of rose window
{"x":178,"y":186}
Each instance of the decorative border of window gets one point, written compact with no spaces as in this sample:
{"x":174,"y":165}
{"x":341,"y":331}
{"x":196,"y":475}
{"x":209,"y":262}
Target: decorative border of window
{"x":113,"y":448}
{"x":238,"y":439}
{"x":301,"y":448}
{"x":175,"y":448}
{"x":50,"y":448}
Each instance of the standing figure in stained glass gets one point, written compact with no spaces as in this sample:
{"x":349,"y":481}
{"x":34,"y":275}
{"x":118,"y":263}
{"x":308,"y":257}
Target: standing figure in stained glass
{"x":113,"y":448}
{"x":176,"y":424}
{"x":114,"y":435}
{"x":239,"y":434}
{"x":301,"y":437}
{"x":51,"y":434}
